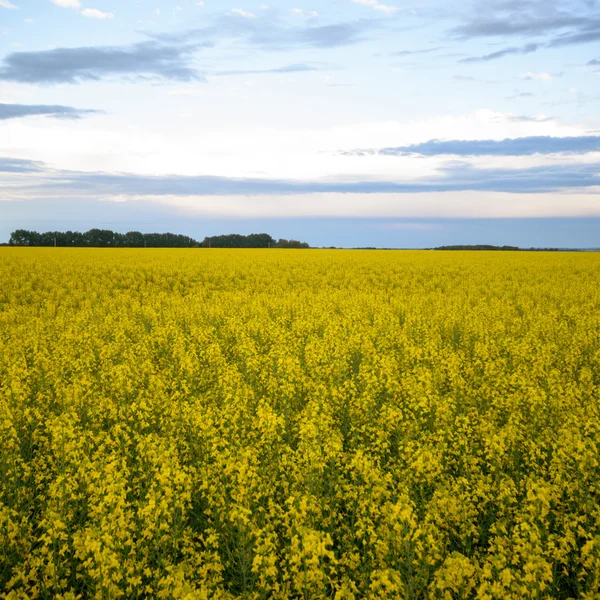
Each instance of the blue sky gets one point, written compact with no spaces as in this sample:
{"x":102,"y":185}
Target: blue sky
{"x":346,"y":122}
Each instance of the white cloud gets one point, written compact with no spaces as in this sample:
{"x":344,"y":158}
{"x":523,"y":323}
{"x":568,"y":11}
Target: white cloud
{"x":67,"y":3}
{"x":199,"y":3}
{"x":423,"y":205}
{"x":541,"y":76}
{"x":386,"y":8}
{"x":94,"y":13}
{"x":243,"y":13}
{"x":29,"y":21}
{"x":157,"y":11}
{"x":300,"y":12}
{"x":7,"y":4}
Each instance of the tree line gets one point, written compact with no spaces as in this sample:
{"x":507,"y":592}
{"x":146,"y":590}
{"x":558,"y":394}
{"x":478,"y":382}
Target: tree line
{"x":498,"y":248}
{"x":477,"y":247}
{"x":101,"y":238}
{"x":104,"y":238}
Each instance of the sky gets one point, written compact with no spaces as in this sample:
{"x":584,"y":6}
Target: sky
{"x":408,"y":123}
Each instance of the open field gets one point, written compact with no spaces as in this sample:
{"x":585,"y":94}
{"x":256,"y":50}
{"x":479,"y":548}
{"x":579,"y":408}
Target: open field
{"x":299,"y":424}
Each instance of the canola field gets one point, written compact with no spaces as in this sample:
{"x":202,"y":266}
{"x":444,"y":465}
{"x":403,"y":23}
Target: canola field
{"x":299,"y":424}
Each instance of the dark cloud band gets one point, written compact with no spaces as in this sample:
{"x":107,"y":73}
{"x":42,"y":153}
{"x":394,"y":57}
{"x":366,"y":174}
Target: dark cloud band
{"x":454,"y":176}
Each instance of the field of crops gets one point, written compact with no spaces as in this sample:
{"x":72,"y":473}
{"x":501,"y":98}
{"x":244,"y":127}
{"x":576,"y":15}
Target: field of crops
{"x":299,"y":424}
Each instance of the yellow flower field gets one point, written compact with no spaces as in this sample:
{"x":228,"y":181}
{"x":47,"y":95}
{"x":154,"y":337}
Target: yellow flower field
{"x":299,"y":424}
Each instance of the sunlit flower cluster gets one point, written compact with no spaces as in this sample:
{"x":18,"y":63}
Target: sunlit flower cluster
{"x":299,"y":424}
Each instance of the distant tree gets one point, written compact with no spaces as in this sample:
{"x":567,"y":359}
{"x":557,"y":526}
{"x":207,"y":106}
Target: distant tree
{"x":283,"y":243}
{"x":22,"y":237}
{"x":99,"y":238}
{"x":235,"y":240}
{"x":259,"y":240}
{"x":134,"y":239}
{"x":169,"y":240}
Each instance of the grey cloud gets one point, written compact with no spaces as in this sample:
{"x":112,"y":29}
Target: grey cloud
{"x":505,"y":26}
{"x":454,"y":176}
{"x":590,"y":33}
{"x":565,"y":22}
{"x":412,"y":52}
{"x":329,"y":36}
{"x":546,"y":178}
{"x":525,"y":146}
{"x":73,"y":65}
{"x":15,"y":111}
{"x":594,"y":62}
{"x":19,"y":165}
{"x":501,"y":53}
{"x":526,"y":17}
{"x":271,"y":34}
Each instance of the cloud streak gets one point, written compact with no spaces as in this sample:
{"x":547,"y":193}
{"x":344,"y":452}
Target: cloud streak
{"x":501,"y":53}
{"x":19,"y":165}
{"x":16,"y":111}
{"x":295,"y":68}
{"x":525,"y":146}
{"x":401,"y":53}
